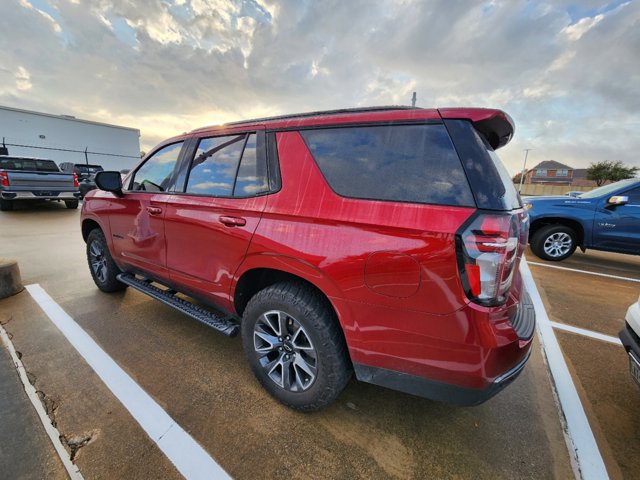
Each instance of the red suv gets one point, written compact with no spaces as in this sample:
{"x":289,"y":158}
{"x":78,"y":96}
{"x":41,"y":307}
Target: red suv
{"x":382,"y":241}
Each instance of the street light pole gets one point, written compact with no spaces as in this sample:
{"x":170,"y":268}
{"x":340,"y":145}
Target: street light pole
{"x":524,"y":168}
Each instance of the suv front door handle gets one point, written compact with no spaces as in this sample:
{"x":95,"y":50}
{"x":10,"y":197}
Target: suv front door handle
{"x":232,"y":221}
{"x":154,"y":210}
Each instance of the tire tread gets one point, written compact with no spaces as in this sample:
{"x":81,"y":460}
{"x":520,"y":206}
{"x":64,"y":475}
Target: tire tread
{"x":319,"y":313}
{"x":537,"y":241}
{"x":112,"y":284}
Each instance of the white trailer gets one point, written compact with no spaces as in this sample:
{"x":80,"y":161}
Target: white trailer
{"x":63,"y":138}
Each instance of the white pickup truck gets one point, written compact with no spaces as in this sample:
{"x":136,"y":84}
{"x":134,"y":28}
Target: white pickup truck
{"x":26,"y":178}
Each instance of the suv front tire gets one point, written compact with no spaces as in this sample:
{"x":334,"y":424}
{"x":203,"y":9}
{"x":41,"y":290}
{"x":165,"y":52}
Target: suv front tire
{"x":101,"y":265}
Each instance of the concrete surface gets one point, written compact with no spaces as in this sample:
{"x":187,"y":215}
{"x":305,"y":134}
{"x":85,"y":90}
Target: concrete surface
{"x":80,"y":405}
{"x":25,"y":449}
{"x":203,"y":381}
{"x":600,"y":370}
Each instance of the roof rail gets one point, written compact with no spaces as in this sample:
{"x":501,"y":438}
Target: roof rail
{"x":314,"y":114}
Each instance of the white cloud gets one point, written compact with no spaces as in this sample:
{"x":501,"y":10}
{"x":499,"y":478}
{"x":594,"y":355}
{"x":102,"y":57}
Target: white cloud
{"x":55,"y":25}
{"x":162,"y":29}
{"x":577,"y":30}
{"x":23,"y":79}
{"x":211,"y":186}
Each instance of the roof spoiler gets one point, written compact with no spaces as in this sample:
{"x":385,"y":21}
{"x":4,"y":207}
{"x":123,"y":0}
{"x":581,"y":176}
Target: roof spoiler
{"x":494,"y":125}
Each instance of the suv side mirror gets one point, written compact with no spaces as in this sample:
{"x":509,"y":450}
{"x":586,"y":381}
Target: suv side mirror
{"x":109,"y":182}
{"x":617,"y":200}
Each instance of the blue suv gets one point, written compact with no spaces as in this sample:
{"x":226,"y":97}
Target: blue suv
{"x":607,"y":219}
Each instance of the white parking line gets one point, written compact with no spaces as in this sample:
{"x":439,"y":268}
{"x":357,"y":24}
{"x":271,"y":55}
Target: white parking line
{"x":582,"y":444}
{"x":586,"y":333}
{"x":191,"y":460}
{"x":606,"y":275}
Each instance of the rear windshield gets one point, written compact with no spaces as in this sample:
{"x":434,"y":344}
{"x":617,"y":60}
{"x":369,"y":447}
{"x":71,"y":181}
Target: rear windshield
{"x":30,"y":164}
{"x":403,"y":163}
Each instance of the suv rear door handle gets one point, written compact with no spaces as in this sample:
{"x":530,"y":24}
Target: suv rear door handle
{"x":233,"y":221}
{"x":154,"y":210}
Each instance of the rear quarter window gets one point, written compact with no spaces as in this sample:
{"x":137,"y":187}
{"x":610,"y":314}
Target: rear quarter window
{"x":404,"y":163}
{"x":491,"y":184}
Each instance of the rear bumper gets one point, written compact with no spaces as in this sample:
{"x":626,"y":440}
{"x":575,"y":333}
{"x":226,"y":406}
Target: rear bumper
{"x":463,"y":379}
{"x":630,"y":334}
{"x":630,"y":340}
{"x":21,"y":195}
{"x":443,"y":392}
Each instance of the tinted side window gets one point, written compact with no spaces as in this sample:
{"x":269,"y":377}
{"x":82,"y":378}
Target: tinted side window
{"x":634,"y":196}
{"x":406,"y":163}
{"x":252,"y":175}
{"x":491,"y":184}
{"x":155,"y":175}
{"x":213,"y":170}
{"x":275,"y":182}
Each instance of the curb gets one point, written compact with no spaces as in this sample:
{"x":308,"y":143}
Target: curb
{"x":10,"y":281}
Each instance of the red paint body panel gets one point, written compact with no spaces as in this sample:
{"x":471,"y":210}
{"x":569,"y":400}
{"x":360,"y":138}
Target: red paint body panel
{"x":307,"y":220}
{"x":203,"y":253}
{"x":434,"y":331}
{"x":137,"y":233}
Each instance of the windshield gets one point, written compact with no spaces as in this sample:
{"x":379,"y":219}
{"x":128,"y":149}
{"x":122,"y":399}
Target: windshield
{"x":605,"y":189}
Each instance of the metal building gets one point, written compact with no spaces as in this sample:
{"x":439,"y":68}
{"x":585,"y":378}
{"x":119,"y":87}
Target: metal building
{"x":63,"y":138}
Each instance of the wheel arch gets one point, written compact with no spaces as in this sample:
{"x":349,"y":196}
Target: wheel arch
{"x":252,"y":280}
{"x":574,"y":225}
{"x":256,"y":279}
{"x":88,"y":225}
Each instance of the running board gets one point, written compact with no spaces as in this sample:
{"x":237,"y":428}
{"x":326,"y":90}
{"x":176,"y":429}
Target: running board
{"x":224,"y":325}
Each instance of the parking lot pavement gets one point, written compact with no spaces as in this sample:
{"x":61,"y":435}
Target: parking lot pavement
{"x":599,"y":369}
{"x":25,"y":449}
{"x":598,"y":262}
{"x":201,"y":380}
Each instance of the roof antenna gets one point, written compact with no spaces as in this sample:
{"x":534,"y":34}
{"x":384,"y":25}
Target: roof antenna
{"x":413,"y":100}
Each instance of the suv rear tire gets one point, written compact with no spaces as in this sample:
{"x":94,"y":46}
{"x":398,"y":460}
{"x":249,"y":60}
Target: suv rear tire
{"x":101,"y":265}
{"x":295,"y":346}
{"x":554,"y":242}
{"x":71,"y":204}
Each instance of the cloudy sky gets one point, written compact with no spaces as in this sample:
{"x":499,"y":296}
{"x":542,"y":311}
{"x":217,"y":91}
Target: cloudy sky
{"x":568,"y":72}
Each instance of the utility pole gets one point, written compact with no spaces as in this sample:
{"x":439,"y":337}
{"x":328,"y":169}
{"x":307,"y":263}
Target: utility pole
{"x":413,"y":100}
{"x":524,"y":168}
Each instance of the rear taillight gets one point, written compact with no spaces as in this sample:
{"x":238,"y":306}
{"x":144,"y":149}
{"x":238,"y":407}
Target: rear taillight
{"x":488,"y":251}
{"x":4,"y":179}
{"x":75,"y":180}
